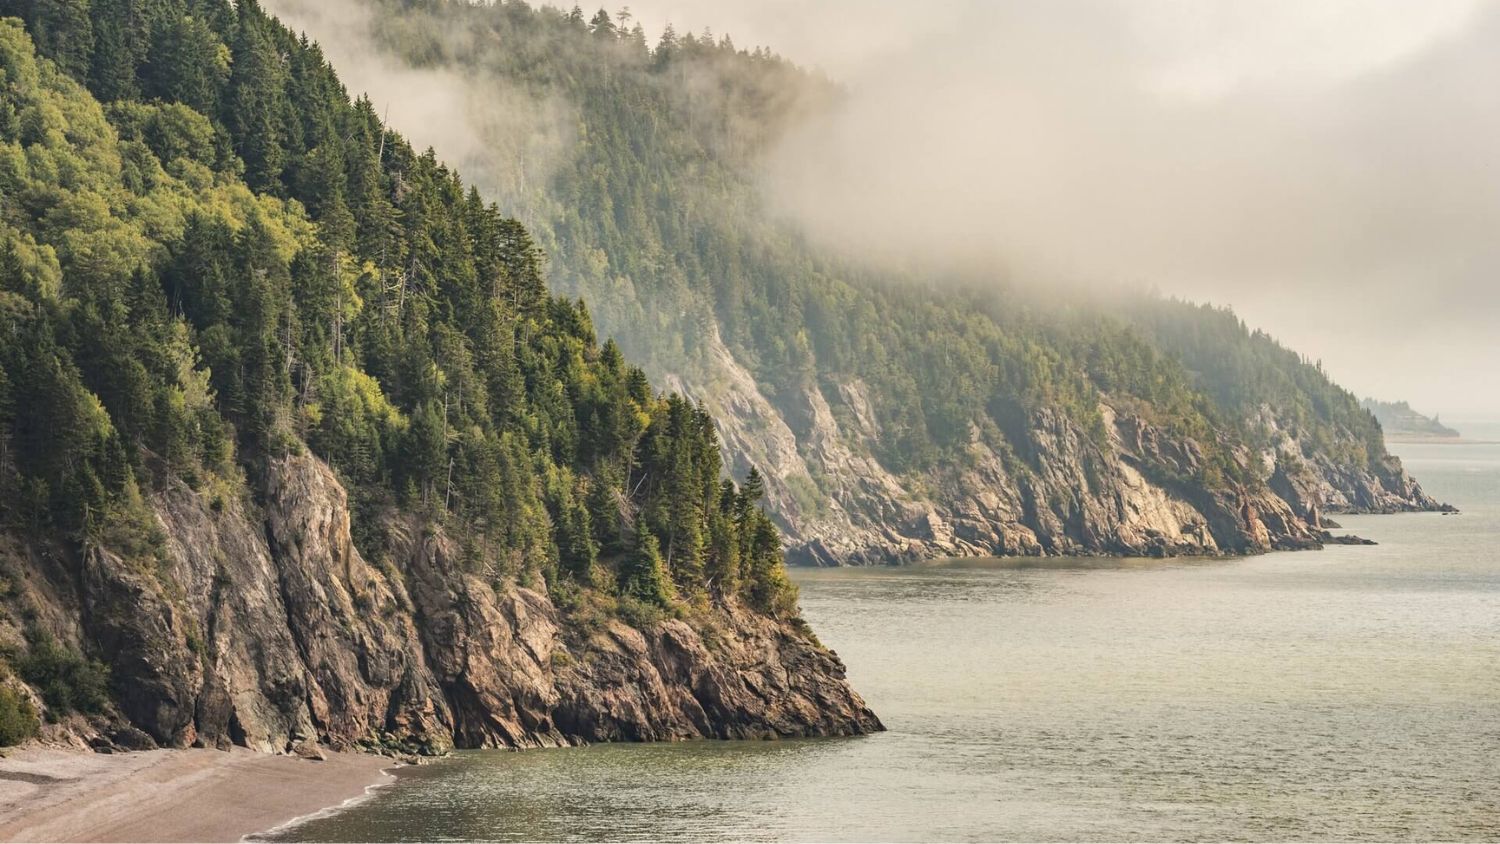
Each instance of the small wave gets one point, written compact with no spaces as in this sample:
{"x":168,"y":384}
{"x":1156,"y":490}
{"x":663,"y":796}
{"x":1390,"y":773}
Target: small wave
{"x":276,"y":831}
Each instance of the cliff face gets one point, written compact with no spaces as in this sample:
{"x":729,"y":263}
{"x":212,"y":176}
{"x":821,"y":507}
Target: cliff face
{"x":1056,"y":491}
{"x":265,"y":627}
{"x":1314,"y":483}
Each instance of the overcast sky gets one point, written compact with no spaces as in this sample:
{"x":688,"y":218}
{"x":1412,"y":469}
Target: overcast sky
{"x":1330,"y":169}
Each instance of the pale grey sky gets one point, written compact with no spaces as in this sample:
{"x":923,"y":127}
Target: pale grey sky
{"x":1330,"y":168}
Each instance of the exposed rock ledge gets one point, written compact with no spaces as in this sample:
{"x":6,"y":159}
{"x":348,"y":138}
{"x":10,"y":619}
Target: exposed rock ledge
{"x":1047,"y":489}
{"x":270,"y":630}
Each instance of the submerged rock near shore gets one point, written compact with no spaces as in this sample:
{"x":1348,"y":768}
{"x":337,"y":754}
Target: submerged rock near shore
{"x":267,"y":628}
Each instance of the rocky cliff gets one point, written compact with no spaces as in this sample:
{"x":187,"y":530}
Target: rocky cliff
{"x":1314,"y":482}
{"x":262,"y":625}
{"x":1049,"y":489}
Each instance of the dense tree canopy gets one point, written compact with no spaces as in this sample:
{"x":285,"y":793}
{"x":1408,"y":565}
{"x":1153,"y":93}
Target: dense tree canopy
{"x":218,"y":258}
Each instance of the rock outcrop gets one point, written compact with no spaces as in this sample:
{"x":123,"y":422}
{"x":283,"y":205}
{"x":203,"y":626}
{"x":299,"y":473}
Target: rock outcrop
{"x":264,"y":626}
{"x":1047,"y":488}
{"x":1314,"y":484}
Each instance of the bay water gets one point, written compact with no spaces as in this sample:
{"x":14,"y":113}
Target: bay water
{"x":1347,"y":694}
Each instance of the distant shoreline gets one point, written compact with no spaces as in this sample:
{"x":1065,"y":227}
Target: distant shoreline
{"x":61,"y":794}
{"x":1427,"y":439}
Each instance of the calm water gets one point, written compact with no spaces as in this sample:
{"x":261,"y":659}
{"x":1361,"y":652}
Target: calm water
{"x":1352,"y":693}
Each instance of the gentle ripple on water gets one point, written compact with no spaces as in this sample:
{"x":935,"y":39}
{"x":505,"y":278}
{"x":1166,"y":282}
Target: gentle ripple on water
{"x":1352,"y":694}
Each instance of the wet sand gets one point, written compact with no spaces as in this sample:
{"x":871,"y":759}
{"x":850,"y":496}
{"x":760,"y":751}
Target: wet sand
{"x":170,"y":795}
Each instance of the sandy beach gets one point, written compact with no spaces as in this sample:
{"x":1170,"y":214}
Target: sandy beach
{"x":170,"y":795}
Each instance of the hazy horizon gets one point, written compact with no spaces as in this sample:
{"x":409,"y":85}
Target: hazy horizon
{"x":1322,"y":168}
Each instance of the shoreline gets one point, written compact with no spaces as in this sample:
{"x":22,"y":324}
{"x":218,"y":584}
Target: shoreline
{"x":1418,"y":439}
{"x":61,"y":794}
{"x":370,"y":791}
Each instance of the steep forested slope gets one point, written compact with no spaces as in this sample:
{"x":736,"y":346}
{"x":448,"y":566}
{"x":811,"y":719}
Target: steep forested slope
{"x":893,"y":414}
{"x":295,"y":445}
{"x":1324,"y":450}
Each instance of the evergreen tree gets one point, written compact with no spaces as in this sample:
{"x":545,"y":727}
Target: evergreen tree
{"x":643,"y":576}
{"x":188,"y":63}
{"x":62,"y":29}
{"x":255,"y":109}
{"x":117,"y":50}
{"x":753,"y":490}
{"x":602,"y":26}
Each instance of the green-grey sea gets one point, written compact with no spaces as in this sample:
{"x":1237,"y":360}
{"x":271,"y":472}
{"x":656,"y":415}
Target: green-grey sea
{"x":1346,"y":694}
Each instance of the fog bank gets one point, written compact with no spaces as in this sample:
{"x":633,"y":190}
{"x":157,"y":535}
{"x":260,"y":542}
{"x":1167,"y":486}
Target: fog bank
{"x":1329,"y":169}
{"x":505,"y":139}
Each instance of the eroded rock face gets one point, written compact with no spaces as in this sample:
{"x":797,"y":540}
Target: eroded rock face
{"x":516,"y":673}
{"x":256,"y":684}
{"x":1312,"y":483}
{"x":1050,"y":489}
{"x":265,"y":627}
{"x":359,"y":646}
{"x":144,"y":635}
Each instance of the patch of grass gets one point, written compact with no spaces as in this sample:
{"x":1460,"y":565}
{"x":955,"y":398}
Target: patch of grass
{"x":804,"y":490}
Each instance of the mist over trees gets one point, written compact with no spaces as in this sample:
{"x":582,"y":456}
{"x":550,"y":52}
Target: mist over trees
{"x":657,"y":217}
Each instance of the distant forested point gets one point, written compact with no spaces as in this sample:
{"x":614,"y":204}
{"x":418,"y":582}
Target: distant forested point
{"x":1399,"y":419}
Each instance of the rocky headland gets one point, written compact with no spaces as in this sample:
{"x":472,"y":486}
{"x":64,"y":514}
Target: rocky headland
{"x":1049,"y":489}
{"x":265,"y":627}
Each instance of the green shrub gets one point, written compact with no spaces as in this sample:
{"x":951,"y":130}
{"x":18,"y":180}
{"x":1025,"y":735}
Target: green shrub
{"x":640,"y":614}
{"x":66,"y":680}
{"x":18,"y":720}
